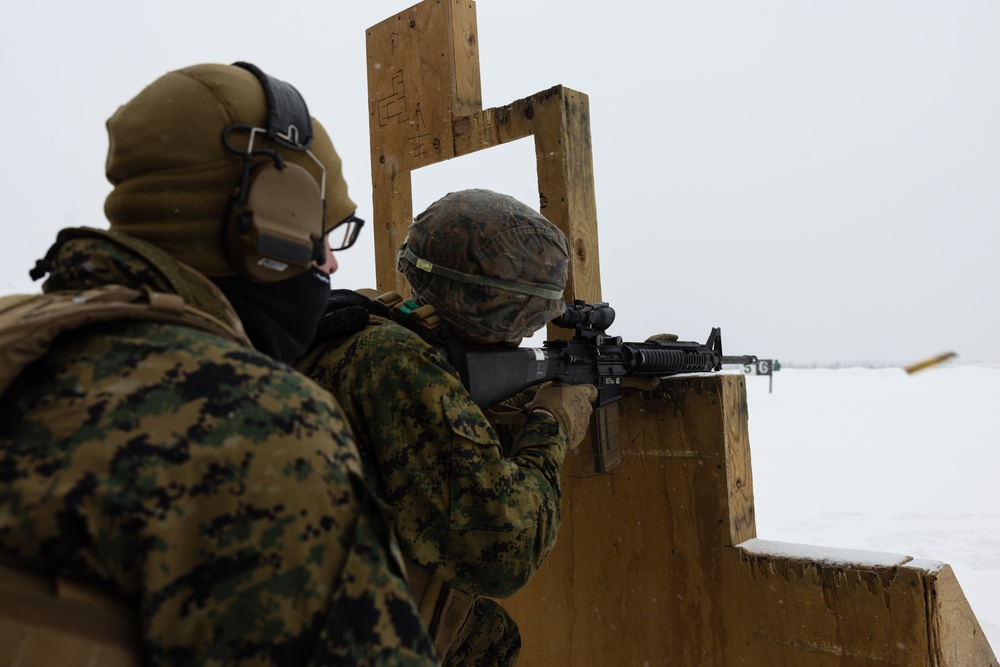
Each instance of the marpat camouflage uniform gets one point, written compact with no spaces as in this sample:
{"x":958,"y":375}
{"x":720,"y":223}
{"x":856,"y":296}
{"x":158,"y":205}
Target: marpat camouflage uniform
{"x":214,"y":486}
{"x":482,"y":522}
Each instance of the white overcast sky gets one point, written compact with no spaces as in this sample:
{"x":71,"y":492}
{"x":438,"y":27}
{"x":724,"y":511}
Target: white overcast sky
{"x":820,"y":179}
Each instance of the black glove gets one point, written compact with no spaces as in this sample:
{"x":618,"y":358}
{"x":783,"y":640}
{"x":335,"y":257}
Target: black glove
{"x":346,"y":313}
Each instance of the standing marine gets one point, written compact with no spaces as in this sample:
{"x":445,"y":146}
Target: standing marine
{"x":476,"y":515}
{"x":171,"y":491}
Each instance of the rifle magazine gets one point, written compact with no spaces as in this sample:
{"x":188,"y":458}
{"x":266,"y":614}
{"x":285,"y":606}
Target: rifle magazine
{"x":605,"y":443}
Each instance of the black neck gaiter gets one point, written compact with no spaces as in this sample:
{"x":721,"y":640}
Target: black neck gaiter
{"x":280,"y":318}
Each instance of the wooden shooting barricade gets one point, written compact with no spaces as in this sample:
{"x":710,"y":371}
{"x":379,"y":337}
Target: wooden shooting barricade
{"x":657,"y":561}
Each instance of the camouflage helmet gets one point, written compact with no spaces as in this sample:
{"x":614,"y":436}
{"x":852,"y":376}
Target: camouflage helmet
{"x":172,"y":175}
{"x":490,"y":265}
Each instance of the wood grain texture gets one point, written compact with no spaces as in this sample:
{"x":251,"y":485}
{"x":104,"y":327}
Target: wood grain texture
{"x":653,"y":564}
{"x":423,"y":68}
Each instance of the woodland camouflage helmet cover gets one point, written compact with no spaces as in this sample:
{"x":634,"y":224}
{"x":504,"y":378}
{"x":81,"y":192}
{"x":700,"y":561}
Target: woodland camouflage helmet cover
{"x":490,"y":265}
{"x":173,"y":176}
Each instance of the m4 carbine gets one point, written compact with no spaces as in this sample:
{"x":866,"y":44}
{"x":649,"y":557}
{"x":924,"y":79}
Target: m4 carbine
{"x":493,"y":374}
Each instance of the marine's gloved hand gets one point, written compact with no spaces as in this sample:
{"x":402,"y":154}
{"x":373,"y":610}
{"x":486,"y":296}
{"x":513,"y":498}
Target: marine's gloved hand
{"x":661,"y":336}
{"x":346,"y":313}
{"x":341,"y":322}
{"x":570,"y":404}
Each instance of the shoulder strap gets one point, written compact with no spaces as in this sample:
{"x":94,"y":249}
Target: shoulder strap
{"x":30,"y":323}
{"x":422,"y":319}
{"x":43,"y":616}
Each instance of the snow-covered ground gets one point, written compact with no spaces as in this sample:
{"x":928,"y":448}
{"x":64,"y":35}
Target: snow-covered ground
{"x":878,"y":459}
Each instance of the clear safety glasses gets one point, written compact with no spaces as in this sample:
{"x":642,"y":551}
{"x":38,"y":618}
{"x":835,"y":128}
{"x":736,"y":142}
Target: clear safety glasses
{"x":343,"y":235}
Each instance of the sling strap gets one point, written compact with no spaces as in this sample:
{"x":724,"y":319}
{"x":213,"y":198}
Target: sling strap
{"x":443,"y":608}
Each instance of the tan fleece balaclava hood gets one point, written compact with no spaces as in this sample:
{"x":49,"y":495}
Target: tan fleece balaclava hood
{"x":173,"y":176}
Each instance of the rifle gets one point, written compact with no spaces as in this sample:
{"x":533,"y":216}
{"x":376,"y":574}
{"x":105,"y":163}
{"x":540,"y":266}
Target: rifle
{"x":591,"y":356}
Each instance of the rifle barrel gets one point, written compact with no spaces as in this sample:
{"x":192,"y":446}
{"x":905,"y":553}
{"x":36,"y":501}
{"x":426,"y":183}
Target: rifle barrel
{"x":739,"y":360}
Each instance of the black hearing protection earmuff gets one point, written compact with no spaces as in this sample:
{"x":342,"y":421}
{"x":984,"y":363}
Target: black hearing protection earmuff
{"x":274,"y":222}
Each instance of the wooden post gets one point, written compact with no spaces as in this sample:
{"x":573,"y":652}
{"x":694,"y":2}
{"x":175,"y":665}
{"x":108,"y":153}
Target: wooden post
{"x":423,"y":70}
{"x":425,"y":106}
{"x":657,"y":562}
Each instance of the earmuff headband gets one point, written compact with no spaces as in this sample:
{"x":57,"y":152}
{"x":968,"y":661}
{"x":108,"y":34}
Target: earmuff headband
{"x":288,"y":120}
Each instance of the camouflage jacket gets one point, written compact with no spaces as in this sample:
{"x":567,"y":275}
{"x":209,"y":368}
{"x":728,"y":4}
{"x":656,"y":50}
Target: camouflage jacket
{"x":479,"y":520}
{"x":216,"y":487}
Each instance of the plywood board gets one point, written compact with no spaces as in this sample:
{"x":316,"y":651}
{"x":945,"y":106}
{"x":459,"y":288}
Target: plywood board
{"x":657,"y":563}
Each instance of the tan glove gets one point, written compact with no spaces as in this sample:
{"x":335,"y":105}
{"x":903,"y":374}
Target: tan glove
{"x":661,"y":336}
{"x":570,"y":404}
